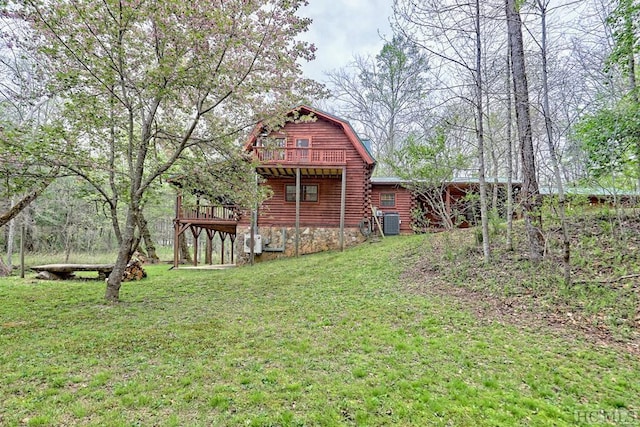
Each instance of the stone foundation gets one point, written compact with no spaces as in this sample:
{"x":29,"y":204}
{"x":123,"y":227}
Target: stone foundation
{"x":279,"y":242}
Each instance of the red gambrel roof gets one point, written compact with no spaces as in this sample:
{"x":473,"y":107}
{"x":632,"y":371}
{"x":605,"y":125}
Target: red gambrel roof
{"x":345,"y":125}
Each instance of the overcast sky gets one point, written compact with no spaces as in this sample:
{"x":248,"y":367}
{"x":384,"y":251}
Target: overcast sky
{"x":342,"y":28}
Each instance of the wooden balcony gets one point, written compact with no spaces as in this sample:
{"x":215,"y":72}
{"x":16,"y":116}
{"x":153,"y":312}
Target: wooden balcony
{"x":204,"y":213}
{"x":312,"y":161}
{"x":298,"y":156}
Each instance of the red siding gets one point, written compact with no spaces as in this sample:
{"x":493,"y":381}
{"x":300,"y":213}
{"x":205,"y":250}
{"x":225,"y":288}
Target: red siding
{"x":326,"y":212}
{"x":404,"y":203}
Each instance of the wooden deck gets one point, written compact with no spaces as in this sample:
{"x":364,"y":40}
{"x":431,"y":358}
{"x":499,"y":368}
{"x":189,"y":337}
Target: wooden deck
{"x":221,"y":219}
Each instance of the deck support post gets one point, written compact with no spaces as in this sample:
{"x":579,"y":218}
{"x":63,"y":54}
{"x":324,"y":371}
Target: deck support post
{"x":208,"y":255}
{"x":343,"y":202}
{"x":176,"y":243}
{"x":297,"y":212}
{"x":233,"y":243}
{"x":196,"y":233}
{"x":223,"y":237}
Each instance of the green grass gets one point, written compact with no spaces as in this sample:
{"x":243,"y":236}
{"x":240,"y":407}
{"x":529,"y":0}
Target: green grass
{"x":327,"y":339}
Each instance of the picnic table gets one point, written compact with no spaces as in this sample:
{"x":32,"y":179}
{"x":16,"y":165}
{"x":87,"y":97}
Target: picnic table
{"x":67,"y":271}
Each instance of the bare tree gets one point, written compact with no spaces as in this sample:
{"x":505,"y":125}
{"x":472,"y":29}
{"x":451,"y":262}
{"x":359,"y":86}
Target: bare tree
{"x":543,"y":7}
{"x":384,"y":96}
{"x":509,"y":155}
{"x":451,"y":33}
{"x":530,"y":194}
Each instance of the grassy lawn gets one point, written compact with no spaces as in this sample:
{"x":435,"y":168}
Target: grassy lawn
{"x":328,"y":339}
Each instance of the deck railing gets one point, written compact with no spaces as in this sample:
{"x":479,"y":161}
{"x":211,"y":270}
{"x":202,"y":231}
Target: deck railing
{"x":300,"y":155}
{"x":212,"y":212}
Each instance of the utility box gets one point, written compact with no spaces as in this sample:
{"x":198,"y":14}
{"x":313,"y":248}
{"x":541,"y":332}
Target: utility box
{"x":257,"y":244}
{"x":391,"y":224}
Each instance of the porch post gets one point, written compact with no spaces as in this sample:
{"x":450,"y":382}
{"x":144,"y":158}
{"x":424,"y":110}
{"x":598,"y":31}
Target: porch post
{"x":343,"y":197}
{"x":297,"y":212}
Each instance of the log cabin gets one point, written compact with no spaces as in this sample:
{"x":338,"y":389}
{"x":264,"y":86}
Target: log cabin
{"x":324,"y":195}
{"x":319,"y":172}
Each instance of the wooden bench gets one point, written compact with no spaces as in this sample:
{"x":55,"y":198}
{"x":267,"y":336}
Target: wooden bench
{"x":66,"y":271}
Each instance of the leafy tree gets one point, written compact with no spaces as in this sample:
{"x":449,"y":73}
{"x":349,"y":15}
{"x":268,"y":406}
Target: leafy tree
{"x":144,"y":83}
{"x":610,"y":138}
{"x":428,"y":164}
{"x":624,"y":21}
{"x":28,"y":134}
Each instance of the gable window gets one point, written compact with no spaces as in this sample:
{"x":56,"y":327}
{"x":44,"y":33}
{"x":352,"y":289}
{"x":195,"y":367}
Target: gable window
{"x":308,"y":193}
{"x":303,"y":142}
{"x":387,"y":200}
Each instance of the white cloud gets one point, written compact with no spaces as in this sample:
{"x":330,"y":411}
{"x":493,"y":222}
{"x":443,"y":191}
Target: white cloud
{"x":344,"y":28}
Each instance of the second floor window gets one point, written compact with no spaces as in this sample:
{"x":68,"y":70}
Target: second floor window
{"x":303,"y":142}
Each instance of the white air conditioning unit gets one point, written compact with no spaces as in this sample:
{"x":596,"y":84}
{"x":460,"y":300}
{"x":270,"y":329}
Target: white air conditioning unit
{"x":257,"y":243}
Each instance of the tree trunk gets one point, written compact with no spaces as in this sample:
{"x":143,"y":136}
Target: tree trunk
{"x":10,"y":239}
{"x":495,"y":166}
{"x":509,"y":161}
{"x":566,"y":245}
{"x":5,"y":270}
{"x":125,"y":251}
{"x":633,"y":87}
{"x":530,"y":194}
{"x":152,"y":255}
{"x":185,"y":254}
{"x":115,"y":224}
{"x":484,"y":215}
{"x":67,"y":233}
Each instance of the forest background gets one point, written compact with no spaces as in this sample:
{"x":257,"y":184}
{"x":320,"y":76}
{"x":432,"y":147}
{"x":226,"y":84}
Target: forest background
{"x":538,"y":92}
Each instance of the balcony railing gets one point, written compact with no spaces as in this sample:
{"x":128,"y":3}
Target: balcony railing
{"x":301,"y":156}
{"x":210,"y":212}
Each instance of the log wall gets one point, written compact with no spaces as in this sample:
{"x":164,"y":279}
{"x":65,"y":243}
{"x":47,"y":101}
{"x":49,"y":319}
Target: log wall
{"x":404,"y":203}
{"x":326,"y":211}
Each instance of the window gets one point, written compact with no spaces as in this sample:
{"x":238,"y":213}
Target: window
{"x":387,"y":200}
{"x":308,"y":193}
{"x":272,"y":147}
{"x":273,"y":140}
{"x":303,"y":142}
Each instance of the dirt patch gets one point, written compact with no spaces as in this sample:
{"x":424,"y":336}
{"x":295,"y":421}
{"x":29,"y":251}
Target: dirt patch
{"x":600,"y":306}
